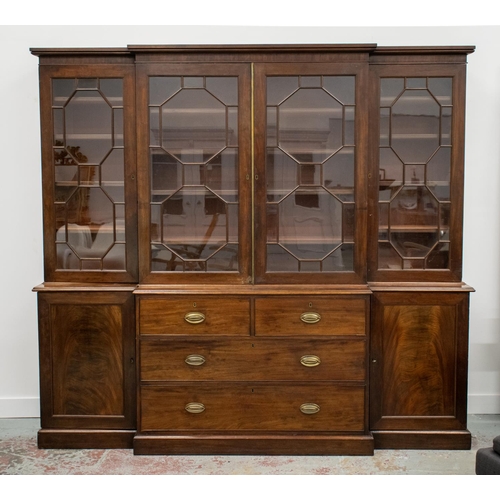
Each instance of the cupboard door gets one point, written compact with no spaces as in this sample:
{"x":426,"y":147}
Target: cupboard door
{"x":87,"y":352}
{"x":419,"y":361}
{"x":310,"y":142}
{"x":194,"y":143}
{"x":416,"y":233}
{"x":89,"y":173}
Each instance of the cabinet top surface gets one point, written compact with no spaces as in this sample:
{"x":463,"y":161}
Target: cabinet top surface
{"x":368,"y":48}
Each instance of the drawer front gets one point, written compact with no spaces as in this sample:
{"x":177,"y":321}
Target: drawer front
{"x":194,"y":315}
{"x":310,"y":316}
{"x":252,"y":360}
{"x":322,"y":407}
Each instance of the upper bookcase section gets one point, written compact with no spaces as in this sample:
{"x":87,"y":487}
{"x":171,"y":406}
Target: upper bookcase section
{"x":327,"y":164}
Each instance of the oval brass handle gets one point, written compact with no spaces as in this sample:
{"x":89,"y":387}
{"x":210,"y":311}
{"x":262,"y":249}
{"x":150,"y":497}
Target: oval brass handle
{"x":309,"y":408}
{"x":194,"y":318}
{"x":310,"y":317}
{"x":195,"y":360}
{"x":310,"y":360}
{"x":195,"y":408}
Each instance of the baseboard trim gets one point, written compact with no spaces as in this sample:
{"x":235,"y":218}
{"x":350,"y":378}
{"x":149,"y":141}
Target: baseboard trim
{"x":20,"y":407}
{"x":484,"y":404}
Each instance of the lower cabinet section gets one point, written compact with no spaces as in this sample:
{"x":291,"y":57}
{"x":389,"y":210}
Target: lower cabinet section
{"x":87,"y":371}
{"x":418,"y":381}
{"x":317,"y":374}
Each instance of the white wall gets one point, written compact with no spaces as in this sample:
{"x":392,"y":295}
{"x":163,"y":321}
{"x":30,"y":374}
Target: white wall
{"x":20,"y":184}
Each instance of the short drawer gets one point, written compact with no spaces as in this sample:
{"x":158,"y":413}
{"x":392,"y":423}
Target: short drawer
{"x":255,"y":359}
{"x":320,"y":407}
{"x":194,"y":315}
{"x":310,"y":316}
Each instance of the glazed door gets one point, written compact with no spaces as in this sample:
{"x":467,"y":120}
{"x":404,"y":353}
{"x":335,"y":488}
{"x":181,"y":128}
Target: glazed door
{"x":88,"y":144}
{"x":194,"y":172}
{"x":418,"y":175}
{"x":310,"y":193}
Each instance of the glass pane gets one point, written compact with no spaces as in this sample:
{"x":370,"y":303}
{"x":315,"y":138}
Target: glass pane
{"x":438,"y":174}
{"x":349,"y":130}
{"x":162,"y":88}
{"x":310,"y":223}
{"x":441,"y":89}
{"x":438,"y":258}
{"x":112,"y":88}
{"x":221,"y":175}
{"x":341,"y":260}
{"x":224,"y":88}
{"x":280,"y":87}
{"x":272,"y":123}
{"x":62,"y":88}
{"x":390,"y":89}
{"x":232,"y":126}
{"x":193,"y":126}
{"x":338,"y":174}
{"x":117,"y":127}
{"x":281,"y":174}
{"x":278,"y":259}
{"x":388,"y":258}
{"x":310,"y":125}
{"x":87,"y":83}
{"x":415,"y":131}
{"x":341,"y":87}
{"x":89,"y":174}
{"x":310,"y":81}
{"x":194,"y":223}
{"x":224,"y":260}
{"x":390,"y":174}
{"x":88,"y":127}
{"x":166,"y":175}
{"x":193,"y":82}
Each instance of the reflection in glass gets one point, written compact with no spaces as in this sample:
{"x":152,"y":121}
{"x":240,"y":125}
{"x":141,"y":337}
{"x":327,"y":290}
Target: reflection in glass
{"x":310,"y":125}
{"x":193,"y":126}
{"x":414,"y":177}
{"x":89,"y":174}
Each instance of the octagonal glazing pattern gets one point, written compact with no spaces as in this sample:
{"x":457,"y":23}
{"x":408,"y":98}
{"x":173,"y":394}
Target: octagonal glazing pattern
{"x":193,"y":129}
{"x":310,"y":172}
{"x":415,"y":149}
{"x":88,"y":158}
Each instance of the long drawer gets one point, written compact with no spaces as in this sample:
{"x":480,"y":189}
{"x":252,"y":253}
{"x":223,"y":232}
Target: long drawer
{"x":252,"y":359}
{"x":204,"y":315}
{"x":310,"y":316}
{"x":320,"y":407}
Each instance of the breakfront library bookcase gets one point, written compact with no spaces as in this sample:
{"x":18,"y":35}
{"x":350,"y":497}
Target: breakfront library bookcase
{"x":253,"y":249}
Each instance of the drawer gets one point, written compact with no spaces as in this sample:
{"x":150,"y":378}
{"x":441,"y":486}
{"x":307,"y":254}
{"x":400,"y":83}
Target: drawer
{"x":194,"y":315}
{"x":320,"y":407}
{"x":252,"y":360}
{"x":310,"y":316}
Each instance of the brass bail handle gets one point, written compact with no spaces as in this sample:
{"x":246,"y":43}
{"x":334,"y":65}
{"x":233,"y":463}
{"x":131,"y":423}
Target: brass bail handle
{"x":195,"y":407}
{"x":309,"y":408}
{"x":310,"y":360}
{"x":310,"y":317}
{"x":195,"y":360}
{"x":194,"y":318}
